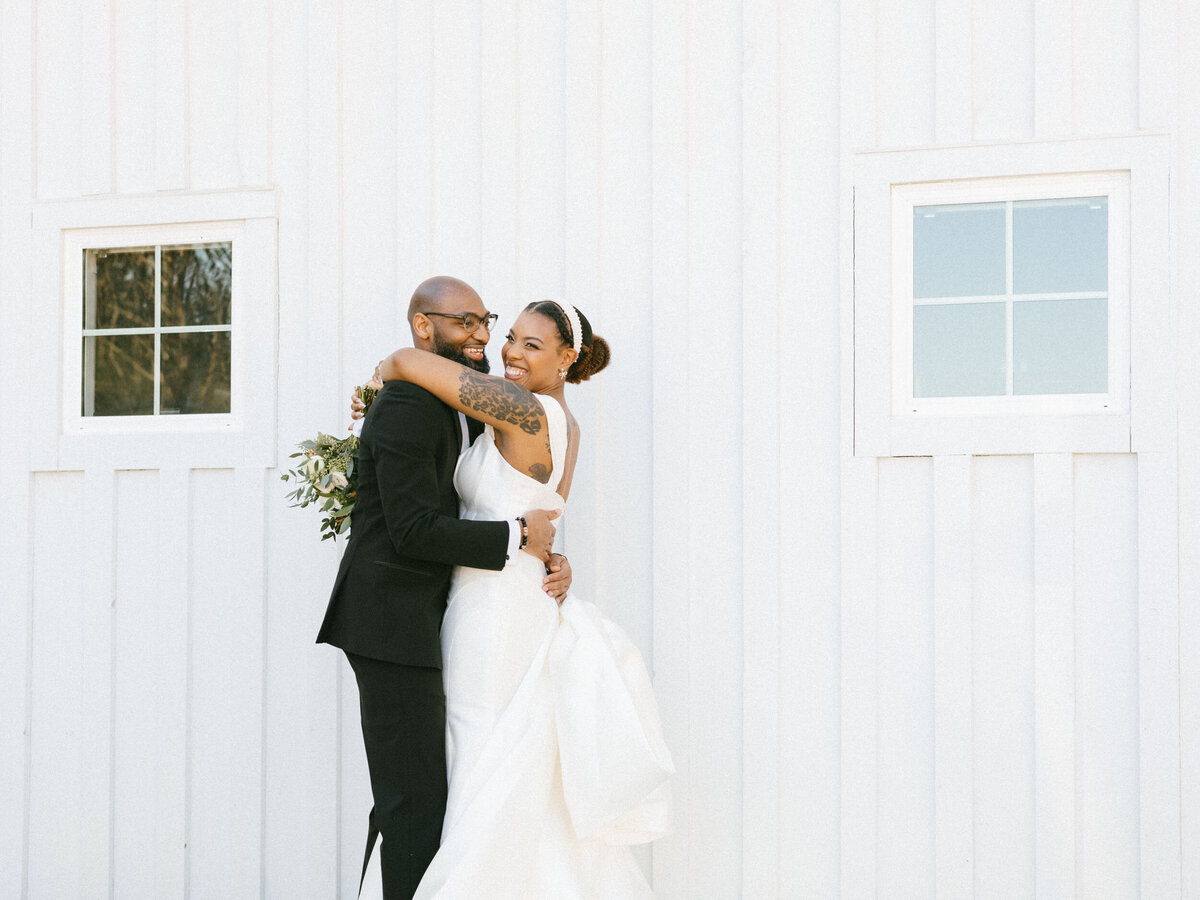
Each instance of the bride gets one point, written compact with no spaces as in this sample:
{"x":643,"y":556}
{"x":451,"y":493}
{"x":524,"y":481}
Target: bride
{"x":555,"y":756}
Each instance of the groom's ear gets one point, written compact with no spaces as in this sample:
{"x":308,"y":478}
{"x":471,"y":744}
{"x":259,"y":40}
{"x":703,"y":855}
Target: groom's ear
{"x":422,"y":327}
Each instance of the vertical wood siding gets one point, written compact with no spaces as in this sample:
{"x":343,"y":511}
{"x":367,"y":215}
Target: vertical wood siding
{"x":944,"y":676}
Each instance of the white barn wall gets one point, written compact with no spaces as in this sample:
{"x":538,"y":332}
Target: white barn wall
{"x":1110,"y":773}
{"x":877,"y":676}
{"x":16,"y":383}
{"x":1186,"y":288}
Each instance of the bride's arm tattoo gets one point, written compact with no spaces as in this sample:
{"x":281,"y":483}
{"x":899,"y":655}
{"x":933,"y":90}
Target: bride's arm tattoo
{"x":500,"y":400}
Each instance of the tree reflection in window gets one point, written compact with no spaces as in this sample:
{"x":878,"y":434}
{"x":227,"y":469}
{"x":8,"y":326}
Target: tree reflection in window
{"x":157,"y":330}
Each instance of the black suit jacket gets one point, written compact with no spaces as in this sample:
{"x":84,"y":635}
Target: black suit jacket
{"x":390,"y":593}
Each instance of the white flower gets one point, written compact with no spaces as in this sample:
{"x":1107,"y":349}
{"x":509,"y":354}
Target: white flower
{"x":338,"y":480}
{"x":314,"y":466}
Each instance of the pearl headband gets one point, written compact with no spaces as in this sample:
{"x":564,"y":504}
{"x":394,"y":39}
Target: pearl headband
{"x":576,"y":328}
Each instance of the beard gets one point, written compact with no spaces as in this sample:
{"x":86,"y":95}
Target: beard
{"x":454,"y":352}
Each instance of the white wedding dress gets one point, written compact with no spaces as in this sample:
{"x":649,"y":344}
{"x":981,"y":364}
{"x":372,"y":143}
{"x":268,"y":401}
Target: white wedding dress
{"x":555,"y":753}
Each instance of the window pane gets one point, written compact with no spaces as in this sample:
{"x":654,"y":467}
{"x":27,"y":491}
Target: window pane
{"x":195,"y":372}
{"x":122,"y":293}
{"x":119,"y":375}
{"x":959,"y":350}
{"x":1060,"y":347}
{"x":196,"y":284}
{"x":958,"y":250}
{"x":1060,"y":246}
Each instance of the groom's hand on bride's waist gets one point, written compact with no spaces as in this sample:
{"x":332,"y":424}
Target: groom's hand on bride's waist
{"x":539,"y":532}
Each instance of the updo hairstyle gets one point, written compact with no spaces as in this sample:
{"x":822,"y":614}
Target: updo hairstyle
{"x":593,"y":349}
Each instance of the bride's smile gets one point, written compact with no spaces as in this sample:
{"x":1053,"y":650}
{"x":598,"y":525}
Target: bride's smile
{"x":532,"y":355}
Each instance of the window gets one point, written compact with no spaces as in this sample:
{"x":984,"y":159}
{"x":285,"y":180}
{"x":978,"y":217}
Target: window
{"x":1001,"y":295}
{"x":159,"y":313}
{"x":1009,"y":298}
{"x":157,"y":329}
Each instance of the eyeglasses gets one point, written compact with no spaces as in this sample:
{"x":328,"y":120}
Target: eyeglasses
{"x":469,"y":321}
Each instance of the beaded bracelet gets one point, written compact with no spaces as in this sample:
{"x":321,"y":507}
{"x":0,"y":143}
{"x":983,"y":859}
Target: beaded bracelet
{"x":524,"y":532}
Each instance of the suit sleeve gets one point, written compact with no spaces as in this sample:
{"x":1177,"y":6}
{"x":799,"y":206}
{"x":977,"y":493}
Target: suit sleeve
{"x":404,"y":443}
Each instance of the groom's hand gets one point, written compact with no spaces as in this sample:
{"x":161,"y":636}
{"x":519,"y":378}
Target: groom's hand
{"x":540,"y":526}
{"x":558,"y":577}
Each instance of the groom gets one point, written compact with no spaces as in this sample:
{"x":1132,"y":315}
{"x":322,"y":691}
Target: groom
{"x":387,"y":604}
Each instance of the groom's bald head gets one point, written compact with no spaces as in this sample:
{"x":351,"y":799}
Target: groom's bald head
{"x":442,"y":293}
{"x":435,"y":317}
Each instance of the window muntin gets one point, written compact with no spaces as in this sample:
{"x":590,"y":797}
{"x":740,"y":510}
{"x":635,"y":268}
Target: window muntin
{"x":1008,"y":295}
{"x":1009,"y":298}
{"x":157,"y":330}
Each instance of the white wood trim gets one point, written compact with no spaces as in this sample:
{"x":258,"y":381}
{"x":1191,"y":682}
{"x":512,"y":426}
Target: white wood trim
{"x":1104,"y":71}
{"x":1185,"y":209}
{"x":55,"y":96}
{"x":415,"y":140}
{"x":583,"y":155}
{"x":541,"y":141}
{"x":134,"y":87}
{"x":953,"y":677}
{"x":171,"y":655}
{"x":456,"y":176}
{"x":1158,"y":63}
{"x":859,"y":775}
{"x":225,"y":779}
{"x":373,"y":325}
{"x":1002,"y":67}
{"x":77,"y":242}
{"x":857,"y":490}
{"x":66,"y":439}
{"x":95,"y":97}
{"x":170,"y":96}
{"x":952,"y":81}
{"x":761,"y":463}
{"x":1054,"y":672}
{"x":1107,"y":810}
{"x":304,"y":853}
{"x":57,"y":742}
{"x":1113,"y":186}
{"x":96,"y":665}
{"x":809,"y":277}
{"x":18,"y":383}
{"x":880,"y":432}
{"x":43,"y":363}
{"x":253,"y":91}
{"x":156,"y":209}
{"x":904,"y":679}
{"x":1159,"y":757}
{"x":1052,"y":61}
{"x":712,"y":277}
{"x":1151,"y":325}
{"x":905,"y":76}
{"x":672,"y":509}
{"x":498,"y":185}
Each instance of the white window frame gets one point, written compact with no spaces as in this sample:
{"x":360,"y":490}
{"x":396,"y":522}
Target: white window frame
{"x":1114,"y":186}
{"x":63,"y":438}
{"x":77,"y":242}
{"x":888,"y":421}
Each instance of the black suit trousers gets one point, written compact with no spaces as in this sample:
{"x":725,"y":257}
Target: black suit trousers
{"x":403,"y":710}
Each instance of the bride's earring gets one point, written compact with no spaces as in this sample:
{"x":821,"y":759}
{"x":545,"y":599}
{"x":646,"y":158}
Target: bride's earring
{"x":562,"y":373}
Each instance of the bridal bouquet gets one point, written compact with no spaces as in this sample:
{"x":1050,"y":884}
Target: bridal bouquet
{"x":325,"y":474}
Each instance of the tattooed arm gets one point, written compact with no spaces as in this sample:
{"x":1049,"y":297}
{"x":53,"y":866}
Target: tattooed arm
{"x":513,"y":411}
